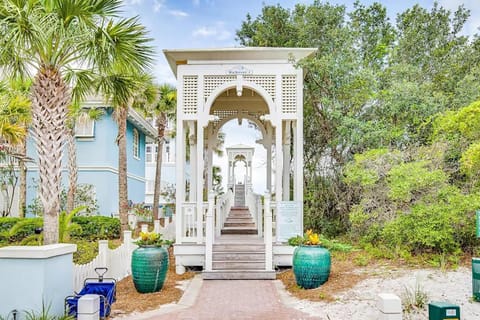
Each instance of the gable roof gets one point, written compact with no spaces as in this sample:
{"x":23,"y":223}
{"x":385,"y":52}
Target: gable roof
{"x":133,"y":116}
{"x":177,"y":57}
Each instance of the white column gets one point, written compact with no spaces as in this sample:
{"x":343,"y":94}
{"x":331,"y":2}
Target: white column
{"x":268,"y":234}
{"x":199,"y":164}
{"x":278,"y":161}
{"x":286,"y":161}
{"x":209,"y":232}
{"x":180,"y":180}
{"x":193,"y":161}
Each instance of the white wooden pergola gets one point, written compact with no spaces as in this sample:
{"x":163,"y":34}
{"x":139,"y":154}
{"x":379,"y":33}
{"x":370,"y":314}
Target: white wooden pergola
{"x":214,"y":86}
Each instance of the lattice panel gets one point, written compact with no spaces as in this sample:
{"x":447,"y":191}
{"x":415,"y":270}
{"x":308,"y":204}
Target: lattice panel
{"x":267,"y":82}
{"x":212,"y":82}
{"x":190,"y":85}
{"x":289,"y":94}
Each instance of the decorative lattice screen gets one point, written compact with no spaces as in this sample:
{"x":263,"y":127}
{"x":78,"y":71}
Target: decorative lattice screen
{"x":212,"y":82}
{"x":190,"y":85}
{"x":267,"y":82}
{"x":289,"y":94}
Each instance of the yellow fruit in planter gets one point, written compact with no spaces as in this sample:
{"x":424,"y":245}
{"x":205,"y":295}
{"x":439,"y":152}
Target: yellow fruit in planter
{"x":153,"y":236}
{"x":144,"y":236}
{"x":309,"y":232}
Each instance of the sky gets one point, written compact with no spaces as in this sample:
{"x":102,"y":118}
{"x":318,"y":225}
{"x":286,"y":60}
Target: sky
{"x":187,"y":24}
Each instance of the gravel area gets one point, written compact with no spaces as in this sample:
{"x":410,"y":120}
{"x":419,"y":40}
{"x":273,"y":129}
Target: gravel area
{"x":359,"y":302}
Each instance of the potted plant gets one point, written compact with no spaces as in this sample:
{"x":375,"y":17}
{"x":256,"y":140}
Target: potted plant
{"x":311,"y":261}
{"x":150,"y":262}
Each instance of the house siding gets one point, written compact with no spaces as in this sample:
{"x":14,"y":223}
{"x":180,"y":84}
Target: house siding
{"x":97,"y":161}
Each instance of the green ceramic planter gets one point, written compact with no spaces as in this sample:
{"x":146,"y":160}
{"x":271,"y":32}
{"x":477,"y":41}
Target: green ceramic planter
{"x":311,"y":266}
{"x":149,"y":268}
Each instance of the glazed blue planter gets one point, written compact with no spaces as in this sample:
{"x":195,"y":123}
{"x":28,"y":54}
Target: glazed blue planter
{"x":149,"y":268}
{"x":311,"y":266}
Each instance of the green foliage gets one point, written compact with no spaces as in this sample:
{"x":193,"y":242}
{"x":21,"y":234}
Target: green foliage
{"x":96,"y":227}
{"x":66,"y":227}
{"x":407,"y":179}
{"x":414,"y":298}
{"x":87,"y":250}
{"x":84,"y":197}
{"x":22,"y":228}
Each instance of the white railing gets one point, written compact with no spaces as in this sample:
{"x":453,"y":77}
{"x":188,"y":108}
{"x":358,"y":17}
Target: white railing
{"x":192,"y":222}
{"x":223,"y":206}
{"x":209,"y":232}
{"x":117,"y":261}
{"x":254,"y":204}
{"x":268,"y":237}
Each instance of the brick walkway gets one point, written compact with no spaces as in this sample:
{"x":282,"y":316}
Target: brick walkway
{"x":237,"y":299}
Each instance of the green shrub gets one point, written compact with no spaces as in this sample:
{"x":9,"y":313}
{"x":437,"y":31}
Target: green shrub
{"x":97,"y":227}
{"x":23,"y":228}
{"x":86,"y":251}
{"x":6,"y":223}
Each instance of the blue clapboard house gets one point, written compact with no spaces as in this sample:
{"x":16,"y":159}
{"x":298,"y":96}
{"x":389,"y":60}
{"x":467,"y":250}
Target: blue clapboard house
{"x":97,"y":158}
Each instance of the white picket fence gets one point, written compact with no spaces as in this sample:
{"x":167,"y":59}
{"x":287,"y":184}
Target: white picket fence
{"x":117,"y":261}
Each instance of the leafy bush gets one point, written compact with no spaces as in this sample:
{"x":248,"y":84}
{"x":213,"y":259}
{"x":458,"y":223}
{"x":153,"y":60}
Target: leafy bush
{"x":86,"y":251}
{"x":22,"y":228}
{"x":6,"y":223}
{"x":97,"y":227}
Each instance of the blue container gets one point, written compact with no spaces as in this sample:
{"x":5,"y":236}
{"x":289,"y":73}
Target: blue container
{"x":311,"y":266}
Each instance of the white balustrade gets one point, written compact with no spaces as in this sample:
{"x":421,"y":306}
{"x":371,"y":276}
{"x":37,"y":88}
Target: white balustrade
{"x":268,"y":234}
{"x":209,"y":231}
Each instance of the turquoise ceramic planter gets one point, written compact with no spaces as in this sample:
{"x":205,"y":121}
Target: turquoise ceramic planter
{"x":149,"y":268}
{"x":311,"y":266}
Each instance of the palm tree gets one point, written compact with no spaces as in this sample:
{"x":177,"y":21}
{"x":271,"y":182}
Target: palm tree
{"x":48,"y":38}
{"x":164,"y":109}
{"x":124,"y":89}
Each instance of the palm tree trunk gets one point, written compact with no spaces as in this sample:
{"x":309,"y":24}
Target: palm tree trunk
{"x":72,"y":169}
{"x":161,"y":124}
{"x":50,"y":97}
{"x":121,"y":118}
{"x":22,"y":192}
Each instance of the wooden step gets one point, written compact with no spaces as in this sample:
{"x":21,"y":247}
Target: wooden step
{"x":239,"y":275}
{"x":238,"y":256}
{"x":238,"y":265}
{"x":239,"y":230}
{"x":239,"y":224}
{"x":239,"y":247}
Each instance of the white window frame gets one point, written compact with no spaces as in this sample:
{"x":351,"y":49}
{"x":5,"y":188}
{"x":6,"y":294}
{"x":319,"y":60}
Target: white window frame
{"x":136,"y":144}
{"x":84,"y":127}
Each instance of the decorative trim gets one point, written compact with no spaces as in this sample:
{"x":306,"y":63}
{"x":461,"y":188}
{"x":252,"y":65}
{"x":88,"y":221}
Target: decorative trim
{"x":37,"y":252}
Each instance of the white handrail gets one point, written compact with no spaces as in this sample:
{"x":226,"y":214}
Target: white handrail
{"x":268,"y":234}
{"x":209,"y":232}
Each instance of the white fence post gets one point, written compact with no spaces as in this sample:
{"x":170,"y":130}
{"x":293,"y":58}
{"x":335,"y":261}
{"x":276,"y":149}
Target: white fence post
{"x":268,"y":234}
{"x":156,"y":226}
{"x":144,"y":228}
{"x":209,"y":232}
{"x":103,"y":253}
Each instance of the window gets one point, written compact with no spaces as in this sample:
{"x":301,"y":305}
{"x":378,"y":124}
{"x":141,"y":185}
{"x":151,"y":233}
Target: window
{"x":84,"y":126}
{"x":136,"y":144}
{"x":167,"y":151}
{"x":148,"y":153}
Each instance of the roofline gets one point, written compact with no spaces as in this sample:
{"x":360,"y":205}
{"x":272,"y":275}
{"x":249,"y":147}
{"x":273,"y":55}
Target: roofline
{"x":133,"y":116}
{"x":177,"y":57}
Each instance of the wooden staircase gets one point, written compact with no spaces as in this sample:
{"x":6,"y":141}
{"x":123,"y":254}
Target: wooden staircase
{"x":239,"y":253}
{"x":239,"y":221}
{"x":239,"y":258}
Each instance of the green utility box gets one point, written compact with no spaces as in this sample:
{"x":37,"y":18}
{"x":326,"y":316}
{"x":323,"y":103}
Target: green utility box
{"x":476,"y":278}
{"x":443,"y":311}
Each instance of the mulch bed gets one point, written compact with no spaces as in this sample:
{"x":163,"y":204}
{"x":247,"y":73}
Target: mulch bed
{"x":129,"y":300}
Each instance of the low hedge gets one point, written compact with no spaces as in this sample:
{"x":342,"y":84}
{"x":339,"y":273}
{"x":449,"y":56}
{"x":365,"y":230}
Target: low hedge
{"x":97,"y":227}
{"x":14,"y":229}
